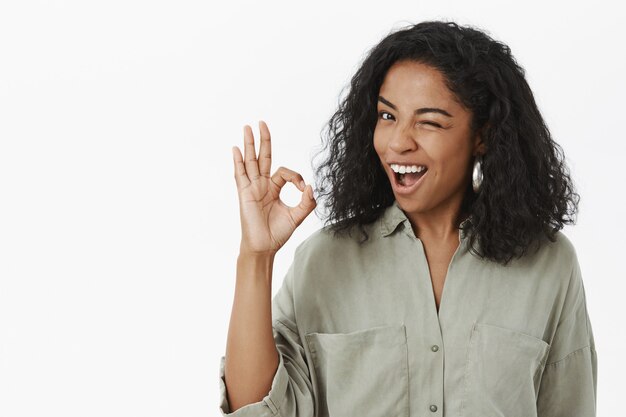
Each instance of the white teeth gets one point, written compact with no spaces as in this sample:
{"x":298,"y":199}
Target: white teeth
{"x":404,"y":168}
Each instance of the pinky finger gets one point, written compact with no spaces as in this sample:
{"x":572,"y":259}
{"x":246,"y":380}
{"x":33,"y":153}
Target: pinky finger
{"x":241,"y":178}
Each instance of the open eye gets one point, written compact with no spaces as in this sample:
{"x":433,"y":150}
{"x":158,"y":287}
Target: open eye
{"x":382,"y":115}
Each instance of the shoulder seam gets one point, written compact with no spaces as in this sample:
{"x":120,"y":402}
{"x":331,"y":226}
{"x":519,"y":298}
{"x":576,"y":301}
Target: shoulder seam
{"x":568,"y":355}
{"x":573,"y":271}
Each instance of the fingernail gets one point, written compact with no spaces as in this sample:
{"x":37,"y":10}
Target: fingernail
{"x":302,"y":184}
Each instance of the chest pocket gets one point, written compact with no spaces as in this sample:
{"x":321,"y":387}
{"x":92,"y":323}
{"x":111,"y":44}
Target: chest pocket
{"x":502,"y":372}
{"x":362,"y":373}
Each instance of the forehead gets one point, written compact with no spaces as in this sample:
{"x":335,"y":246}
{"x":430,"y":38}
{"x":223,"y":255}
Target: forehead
{"x":410,"y":83}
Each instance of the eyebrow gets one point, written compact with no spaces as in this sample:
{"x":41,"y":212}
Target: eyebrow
{"x":417,"y":111}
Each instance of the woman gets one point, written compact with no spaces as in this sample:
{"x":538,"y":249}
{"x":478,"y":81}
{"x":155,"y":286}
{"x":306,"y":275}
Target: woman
{"x":459,"y":296}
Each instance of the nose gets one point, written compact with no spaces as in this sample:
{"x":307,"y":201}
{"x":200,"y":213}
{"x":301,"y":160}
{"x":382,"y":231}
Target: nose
{"x":403,"y":139}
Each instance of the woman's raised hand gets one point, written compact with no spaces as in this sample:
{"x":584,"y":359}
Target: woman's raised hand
{"x":266,"y":222}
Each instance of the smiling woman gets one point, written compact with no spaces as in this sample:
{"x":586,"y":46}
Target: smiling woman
{"x":455,"y":100}
{"x":440,"y":157}
{"x":426,"y":127}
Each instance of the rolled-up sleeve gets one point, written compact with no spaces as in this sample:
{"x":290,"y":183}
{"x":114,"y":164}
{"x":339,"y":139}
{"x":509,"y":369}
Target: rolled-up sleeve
{"x":291,"y":393}
{"x":569,"y":381}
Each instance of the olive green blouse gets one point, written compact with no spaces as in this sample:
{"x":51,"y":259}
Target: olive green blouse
{"x":358,"y":332}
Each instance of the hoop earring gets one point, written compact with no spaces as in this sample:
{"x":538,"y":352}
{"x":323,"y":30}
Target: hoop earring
{"x":477,"y":174}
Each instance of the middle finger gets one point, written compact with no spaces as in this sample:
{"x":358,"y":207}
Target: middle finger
{"x":265,"y":150}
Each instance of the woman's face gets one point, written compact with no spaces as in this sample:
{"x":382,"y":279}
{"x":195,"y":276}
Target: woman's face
{"x":420,"y":123}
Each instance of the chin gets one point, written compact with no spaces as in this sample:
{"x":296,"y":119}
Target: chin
{"x":407,"y":204}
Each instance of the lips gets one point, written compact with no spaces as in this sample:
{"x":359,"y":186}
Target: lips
{"x":407,"y":185}
{"x":406,"y":163}
{"x":409,"y":178}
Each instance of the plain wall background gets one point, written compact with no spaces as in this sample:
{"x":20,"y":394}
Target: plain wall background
{"x":119,"y":218}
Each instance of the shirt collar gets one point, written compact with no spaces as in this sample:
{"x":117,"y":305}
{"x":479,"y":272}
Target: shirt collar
{"x":393,"y":216}
{"x":391,"y":219}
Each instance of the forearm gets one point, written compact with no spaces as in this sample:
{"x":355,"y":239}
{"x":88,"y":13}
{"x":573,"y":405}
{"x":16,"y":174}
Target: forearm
{"x":251,"y":354}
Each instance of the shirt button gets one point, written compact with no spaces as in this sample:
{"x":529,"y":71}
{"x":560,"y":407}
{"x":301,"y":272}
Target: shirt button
{"x":434,"y":348}
{"x":433,"y":408}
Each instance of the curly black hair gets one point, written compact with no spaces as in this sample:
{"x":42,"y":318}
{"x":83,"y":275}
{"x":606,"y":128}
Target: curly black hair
{"x":526,"y":192}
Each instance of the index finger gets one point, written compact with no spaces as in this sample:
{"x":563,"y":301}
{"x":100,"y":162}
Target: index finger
{"x":265,"y":150}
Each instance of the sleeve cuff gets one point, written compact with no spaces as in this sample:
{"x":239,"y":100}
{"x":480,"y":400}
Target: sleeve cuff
{"x":269,"y":406}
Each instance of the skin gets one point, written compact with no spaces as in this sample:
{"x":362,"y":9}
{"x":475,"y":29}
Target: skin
{"x":446,"y":145}
{"x":266,"y":224}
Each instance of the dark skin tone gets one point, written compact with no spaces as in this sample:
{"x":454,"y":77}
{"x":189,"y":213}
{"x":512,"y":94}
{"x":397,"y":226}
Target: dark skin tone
{"x":442,"y":141}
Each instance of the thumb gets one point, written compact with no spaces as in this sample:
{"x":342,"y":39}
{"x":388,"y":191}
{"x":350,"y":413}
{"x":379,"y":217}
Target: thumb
{"x":305,"y":207}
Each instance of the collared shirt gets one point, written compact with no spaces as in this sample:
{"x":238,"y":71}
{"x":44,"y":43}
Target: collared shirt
{"x":358,"y":332}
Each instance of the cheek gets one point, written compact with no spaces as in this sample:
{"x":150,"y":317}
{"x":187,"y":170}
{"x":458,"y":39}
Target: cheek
{"x":457,"y":165}
{"x":379,"y":145}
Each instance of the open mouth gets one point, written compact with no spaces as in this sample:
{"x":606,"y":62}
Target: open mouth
{"x":409,"y":178}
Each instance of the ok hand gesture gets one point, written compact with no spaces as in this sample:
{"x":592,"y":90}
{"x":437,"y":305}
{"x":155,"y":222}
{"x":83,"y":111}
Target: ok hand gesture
{"x":266,"y":222}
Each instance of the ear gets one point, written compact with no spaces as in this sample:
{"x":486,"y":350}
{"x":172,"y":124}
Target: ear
{"x":480,"y":147}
